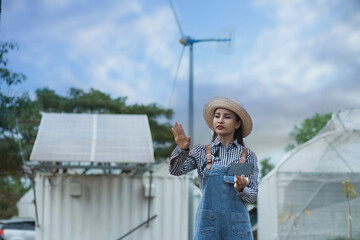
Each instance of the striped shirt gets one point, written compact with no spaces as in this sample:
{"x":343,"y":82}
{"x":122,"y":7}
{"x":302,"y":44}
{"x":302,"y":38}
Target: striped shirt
{"x":184,"y":161}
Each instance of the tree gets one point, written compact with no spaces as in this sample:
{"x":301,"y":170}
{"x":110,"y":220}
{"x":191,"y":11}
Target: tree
{"x":266,"y":166}
{"x":11,"y":190}
{"x":6,"y":75}
{"x":308,"y":129}
{"x":11,"y":107}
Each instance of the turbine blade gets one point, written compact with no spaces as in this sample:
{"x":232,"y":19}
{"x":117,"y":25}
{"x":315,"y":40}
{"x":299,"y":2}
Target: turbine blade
{"x":176,"y":18}
{"x":176,"y":76}
{"x":226,"y":46}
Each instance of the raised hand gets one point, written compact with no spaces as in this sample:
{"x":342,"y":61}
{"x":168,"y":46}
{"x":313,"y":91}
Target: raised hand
{"x":180,"y":137}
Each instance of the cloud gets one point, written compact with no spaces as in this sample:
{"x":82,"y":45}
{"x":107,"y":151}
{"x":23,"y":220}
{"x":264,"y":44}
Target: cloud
{"x":292,"y":58}
{"x":118,"y":49}
{"x":299,"y":55}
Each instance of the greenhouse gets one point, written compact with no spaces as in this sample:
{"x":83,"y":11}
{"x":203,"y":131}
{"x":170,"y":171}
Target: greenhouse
{"x":303,"y":197}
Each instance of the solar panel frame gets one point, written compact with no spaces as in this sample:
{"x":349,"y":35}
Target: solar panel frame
{"x":71,"y":137}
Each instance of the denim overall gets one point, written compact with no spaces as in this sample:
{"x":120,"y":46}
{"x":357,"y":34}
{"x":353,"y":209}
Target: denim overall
{"x":221,"y":213}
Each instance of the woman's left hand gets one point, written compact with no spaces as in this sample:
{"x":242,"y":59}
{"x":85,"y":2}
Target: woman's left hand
{"x":240,"y":183}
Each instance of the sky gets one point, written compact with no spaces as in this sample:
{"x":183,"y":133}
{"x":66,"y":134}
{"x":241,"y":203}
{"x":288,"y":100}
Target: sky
{"x":288,"y":59}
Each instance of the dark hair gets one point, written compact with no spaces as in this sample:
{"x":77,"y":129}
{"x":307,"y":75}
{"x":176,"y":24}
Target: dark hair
{"x":238,"y":134}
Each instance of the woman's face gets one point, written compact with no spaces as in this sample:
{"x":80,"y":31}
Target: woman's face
{"x":225,"y":122}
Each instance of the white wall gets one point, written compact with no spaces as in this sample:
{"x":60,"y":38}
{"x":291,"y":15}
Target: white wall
{"x":108,"y":206}
{"x":26,"y":207}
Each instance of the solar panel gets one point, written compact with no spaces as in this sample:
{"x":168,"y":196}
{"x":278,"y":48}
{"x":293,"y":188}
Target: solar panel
{"x":68,"y":137}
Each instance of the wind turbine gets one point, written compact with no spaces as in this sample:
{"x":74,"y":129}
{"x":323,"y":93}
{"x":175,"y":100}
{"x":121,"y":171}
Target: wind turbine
{"x":189,"y":41}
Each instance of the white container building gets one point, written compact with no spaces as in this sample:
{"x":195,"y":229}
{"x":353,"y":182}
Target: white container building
{"x":95,"y":178}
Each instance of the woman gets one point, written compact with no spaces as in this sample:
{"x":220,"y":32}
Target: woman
{"x":222,"y":213}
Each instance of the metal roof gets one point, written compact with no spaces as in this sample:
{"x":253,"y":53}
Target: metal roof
{"x":69,"y":137}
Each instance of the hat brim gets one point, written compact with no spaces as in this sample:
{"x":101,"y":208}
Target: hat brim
{"x":220,"y":102}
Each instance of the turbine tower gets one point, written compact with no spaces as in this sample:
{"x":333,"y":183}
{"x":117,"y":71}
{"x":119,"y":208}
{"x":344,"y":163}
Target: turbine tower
{"x":188,"y":41}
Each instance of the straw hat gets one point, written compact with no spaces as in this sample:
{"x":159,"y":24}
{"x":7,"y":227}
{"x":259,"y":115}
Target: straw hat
{"x":230,"y":104}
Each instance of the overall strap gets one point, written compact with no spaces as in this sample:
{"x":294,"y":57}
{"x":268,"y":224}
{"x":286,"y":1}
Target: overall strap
{"x":208,"y":157}
{"x":243,"y":155}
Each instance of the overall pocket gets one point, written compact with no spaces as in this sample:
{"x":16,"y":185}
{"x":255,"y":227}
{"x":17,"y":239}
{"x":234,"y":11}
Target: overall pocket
{"x":241,"y":226}
{"x":229,"y":179}
{"x":205,"y":221}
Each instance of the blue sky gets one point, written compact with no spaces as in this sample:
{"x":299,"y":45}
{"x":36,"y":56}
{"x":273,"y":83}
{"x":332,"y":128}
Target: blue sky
{"x":291,"y":59}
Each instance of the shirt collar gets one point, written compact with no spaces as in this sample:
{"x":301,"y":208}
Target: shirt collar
{"x":237,"y":144}
{"x":217,"y":142}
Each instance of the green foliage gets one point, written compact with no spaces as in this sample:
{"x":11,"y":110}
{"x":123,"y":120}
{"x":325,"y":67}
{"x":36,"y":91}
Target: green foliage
{"x":266,"y":166}
{"x":349,"y":190}
{"x":10,"y":158}
{"x":349,"y":193}
{"x":11,"y":107}
{"x":13,"y":132}
{"x":6,"y":75}
{"x":11,"y":190}
{"x":308,"y":129}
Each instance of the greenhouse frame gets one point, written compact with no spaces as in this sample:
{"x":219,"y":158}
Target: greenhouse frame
{"x":303,"y":197}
